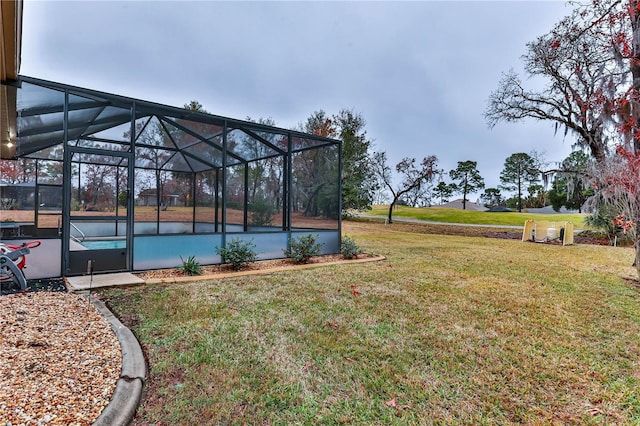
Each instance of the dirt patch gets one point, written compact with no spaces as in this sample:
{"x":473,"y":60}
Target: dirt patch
{"x":504,"y":235}
{"x":587,"y":238}
{"x":634,"y":282}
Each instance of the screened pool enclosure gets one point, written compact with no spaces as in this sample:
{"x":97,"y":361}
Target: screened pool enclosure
{"x":134,"y":185}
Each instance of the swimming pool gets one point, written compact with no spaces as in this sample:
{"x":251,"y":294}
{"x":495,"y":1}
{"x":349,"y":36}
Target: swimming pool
{"x":104,"y":244}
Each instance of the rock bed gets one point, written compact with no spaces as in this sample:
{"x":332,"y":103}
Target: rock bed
{"x":44,"y":284}
{"x":59,"y":358}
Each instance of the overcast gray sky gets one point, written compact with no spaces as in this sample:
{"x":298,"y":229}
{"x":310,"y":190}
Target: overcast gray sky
{"x":420,"y":73}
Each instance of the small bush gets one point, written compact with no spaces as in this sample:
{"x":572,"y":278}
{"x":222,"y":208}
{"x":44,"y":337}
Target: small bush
{"x":349,"y":249}
{"x":190,"y":266}
{"x":238,"y":253}
{"x":603,"y":219}
{"x":261,"y":213}
{"x":303,"y":249}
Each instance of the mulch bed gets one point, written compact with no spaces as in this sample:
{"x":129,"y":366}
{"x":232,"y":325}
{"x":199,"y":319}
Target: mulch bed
{"x":253,"y":266}
{"x":60,"y":358}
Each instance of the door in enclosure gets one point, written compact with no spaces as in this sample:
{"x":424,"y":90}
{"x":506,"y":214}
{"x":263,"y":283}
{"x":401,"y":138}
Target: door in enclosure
{"x":98,"y":227}
{"x":48,"y":209}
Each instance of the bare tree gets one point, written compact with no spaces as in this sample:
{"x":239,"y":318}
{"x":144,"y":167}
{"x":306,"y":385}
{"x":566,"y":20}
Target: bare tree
{"x":413,"y":177}
{"x":582,"y":81}
{"x":420,"y":196}
{"x":591,"y":62}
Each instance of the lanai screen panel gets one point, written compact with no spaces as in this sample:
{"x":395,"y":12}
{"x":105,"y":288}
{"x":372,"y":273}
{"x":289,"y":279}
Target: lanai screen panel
{"x":207,"y":217}
{"x":188,"y":171}
{"x":105,"y":117}
{"x":315,"y":190}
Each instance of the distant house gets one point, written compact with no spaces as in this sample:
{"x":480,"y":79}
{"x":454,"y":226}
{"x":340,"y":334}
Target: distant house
{"x":149,"y":197}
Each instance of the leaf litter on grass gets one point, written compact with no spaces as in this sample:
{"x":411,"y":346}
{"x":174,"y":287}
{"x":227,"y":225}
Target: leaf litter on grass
{"x":461,"y":329}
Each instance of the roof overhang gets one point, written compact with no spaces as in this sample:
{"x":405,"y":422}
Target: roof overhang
{"x":7,"y":122}
{"x":10,"y":52}
{"x":10,"y":39}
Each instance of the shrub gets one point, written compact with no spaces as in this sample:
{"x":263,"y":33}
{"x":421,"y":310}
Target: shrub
{"x":603,"y":219}
{"x":238,"y":253}
{"x":303,"y":249}
{"x":123,"y":197}
{"x":349,"y":249}
{"x":261,"y":213}
{"x":190,"y":266}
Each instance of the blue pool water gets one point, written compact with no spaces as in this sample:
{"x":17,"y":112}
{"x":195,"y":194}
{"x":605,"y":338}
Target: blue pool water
{"x":104,"y":244}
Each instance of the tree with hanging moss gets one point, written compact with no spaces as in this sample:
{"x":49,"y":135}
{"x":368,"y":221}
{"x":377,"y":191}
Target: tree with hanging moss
{"x":568,"y":188}
{"x":591,"y":61}
{"x":617,"y":185}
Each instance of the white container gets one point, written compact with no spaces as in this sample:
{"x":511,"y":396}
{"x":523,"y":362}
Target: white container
{"x":551,"y":233}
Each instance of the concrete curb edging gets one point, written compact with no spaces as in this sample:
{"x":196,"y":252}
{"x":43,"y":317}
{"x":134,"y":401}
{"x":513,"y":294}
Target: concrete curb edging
{"x":126,"y":397}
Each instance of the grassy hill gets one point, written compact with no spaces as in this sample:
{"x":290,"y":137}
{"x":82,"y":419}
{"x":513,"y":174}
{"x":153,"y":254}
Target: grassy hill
{"x":451,"y":215}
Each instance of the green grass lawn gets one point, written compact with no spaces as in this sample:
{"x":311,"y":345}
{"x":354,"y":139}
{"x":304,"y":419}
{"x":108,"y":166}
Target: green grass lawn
{"x":446,"y":330}
{"x":450,"y":215}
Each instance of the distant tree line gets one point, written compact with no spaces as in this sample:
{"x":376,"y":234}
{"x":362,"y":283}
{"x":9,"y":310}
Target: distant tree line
{"x":366,"y":177}
{"x":525,"y":176}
